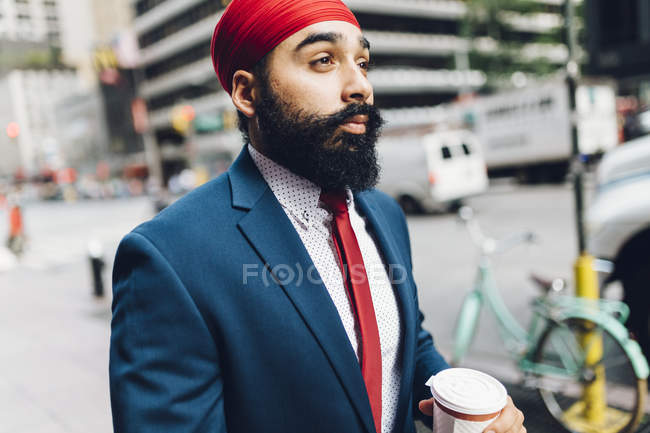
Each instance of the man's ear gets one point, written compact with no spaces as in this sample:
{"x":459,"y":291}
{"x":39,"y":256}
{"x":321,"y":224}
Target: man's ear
{"x":244,"y":92}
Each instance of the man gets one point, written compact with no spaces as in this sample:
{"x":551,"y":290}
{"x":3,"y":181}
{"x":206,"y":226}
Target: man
{"x":279,"y":297}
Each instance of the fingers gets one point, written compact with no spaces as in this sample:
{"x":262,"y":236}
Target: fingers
{"x":426,"y":407}
{"x":511,"y":420}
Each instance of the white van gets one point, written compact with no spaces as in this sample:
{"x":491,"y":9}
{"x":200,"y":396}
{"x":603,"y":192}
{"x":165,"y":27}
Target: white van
{"x":430,"y":170}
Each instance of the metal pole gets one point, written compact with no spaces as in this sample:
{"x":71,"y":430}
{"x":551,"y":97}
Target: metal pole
{"x":154,"y":161}
{"x":577,"y":164}
{"x":590,"y":413}
{"x":461,"y":60}
{"x":151,"y":150}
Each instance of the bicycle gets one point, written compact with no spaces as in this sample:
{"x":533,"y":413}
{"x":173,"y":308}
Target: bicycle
{"x":576,"y":352}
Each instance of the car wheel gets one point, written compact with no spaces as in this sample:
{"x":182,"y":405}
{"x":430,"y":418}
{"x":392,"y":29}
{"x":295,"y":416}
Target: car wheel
{"x":409,"y":205}
{"x":455,"y":206}
{"x":636,"y":283}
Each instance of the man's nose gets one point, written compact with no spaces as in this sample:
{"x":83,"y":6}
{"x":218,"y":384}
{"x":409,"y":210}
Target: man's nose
{"x":356,"y":87}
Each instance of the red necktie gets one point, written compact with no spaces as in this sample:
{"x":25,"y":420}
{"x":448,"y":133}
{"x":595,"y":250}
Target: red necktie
{"x":356,"y":281}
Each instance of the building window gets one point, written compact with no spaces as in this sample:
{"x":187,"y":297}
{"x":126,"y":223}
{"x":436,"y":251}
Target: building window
{"x":408,"y":24}
{"x":183,"y":94}
{"x":180,"y":22}
{"x":51,"y":11}
{"x":434,"y":61}
{"x":200,"y":51}
{"x":143,"y":6}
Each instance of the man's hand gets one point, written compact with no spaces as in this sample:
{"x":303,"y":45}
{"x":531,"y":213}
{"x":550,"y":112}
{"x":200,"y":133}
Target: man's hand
{"x":511,"y":419}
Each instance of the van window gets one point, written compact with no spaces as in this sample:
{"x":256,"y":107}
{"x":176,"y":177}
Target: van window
{"x":466,"y":149}
{"x":446,"y":153}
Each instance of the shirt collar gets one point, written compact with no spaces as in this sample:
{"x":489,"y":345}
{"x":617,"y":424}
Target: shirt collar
{"x":298,"y":195}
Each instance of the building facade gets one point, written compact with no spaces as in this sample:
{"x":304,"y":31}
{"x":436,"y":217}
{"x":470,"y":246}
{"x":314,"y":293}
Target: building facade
{"x":30,"y":20}
{"x":420,"y":57}
{"x":30,"y":101}
{"x":81,"y":112}
{"x":618,"y":45}
{"x":82,"y":134}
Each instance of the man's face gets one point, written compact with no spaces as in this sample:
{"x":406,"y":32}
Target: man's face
{"x":315,"y":111}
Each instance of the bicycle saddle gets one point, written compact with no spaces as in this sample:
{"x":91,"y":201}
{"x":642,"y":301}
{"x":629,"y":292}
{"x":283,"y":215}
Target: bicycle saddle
{"x":547,"y":285}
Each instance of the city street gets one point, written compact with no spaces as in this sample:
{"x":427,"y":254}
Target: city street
{"x":445,"y":260}
{"x":110,"y":110}
{"x":55,"y":334}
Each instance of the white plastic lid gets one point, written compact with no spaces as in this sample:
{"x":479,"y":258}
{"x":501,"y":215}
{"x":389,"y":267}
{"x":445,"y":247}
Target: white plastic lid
{"x":468,"y":391}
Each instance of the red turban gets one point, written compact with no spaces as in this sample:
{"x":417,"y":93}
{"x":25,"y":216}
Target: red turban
{"x":249,"y":29}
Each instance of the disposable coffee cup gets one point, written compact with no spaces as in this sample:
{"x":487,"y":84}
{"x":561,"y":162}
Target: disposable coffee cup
{"x":465,"y":400}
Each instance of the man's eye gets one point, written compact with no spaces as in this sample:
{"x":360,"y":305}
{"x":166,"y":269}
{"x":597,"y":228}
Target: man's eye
{"x":323,"y":61}
{"x":365,"y":65}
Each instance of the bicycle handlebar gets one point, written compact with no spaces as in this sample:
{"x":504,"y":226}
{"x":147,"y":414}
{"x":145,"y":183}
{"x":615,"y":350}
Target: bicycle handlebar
{"x":490,"y":246}
{"x":512,"y":241}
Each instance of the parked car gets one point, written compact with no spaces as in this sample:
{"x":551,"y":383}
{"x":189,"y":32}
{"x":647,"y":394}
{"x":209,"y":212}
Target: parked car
{"x":618,"y":224}
{"x":431,"y":171}
{"x":636,"y":124}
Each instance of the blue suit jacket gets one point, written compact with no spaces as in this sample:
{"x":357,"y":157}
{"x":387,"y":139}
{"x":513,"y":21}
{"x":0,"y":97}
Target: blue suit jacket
{"x":200,"y":343}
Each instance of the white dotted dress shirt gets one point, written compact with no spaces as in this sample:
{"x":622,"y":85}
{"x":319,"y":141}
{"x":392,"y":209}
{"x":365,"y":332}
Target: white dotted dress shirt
{"x":299,"y":198}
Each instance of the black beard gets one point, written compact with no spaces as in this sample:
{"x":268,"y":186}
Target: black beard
{"x":313,"y":147}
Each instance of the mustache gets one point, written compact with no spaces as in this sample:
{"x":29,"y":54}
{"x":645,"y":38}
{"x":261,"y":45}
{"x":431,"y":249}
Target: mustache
{"x":312,"y":146}
{"x":339,"y":118}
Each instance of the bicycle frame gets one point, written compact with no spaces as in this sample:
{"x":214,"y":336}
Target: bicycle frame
{"x":486,"y":291}
{"x":563,"y":345}
{"x":522,"y":344}
{"x":606,"y":314}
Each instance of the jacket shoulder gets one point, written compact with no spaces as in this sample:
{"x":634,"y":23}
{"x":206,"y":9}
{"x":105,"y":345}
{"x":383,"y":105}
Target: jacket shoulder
{"x":208,"y":207}
{"x":394,"y":217}
{"x":386,"y":203}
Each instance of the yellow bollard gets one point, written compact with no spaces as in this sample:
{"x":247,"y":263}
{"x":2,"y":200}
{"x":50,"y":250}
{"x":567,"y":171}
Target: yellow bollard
{"x":586,"y":278}
{"x":591,"y":411}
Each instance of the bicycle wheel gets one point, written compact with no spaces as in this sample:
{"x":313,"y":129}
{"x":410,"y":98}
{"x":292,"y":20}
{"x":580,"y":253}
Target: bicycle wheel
{"x":588,"y":384}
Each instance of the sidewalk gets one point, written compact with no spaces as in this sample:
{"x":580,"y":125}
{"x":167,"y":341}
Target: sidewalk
{"x":538,"y":419}
{"x":54,"y":357}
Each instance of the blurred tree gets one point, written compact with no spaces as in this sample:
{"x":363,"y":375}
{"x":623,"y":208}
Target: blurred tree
{"x":497,"y":40}
{"x":26,"y":55}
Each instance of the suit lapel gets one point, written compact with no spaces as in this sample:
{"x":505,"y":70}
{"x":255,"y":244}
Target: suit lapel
{"x":270,"y":232}
{"x":402,"y":285}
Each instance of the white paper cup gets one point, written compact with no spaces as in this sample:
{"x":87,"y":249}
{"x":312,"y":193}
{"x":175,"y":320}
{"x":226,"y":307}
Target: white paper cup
{"x":465,"y":400}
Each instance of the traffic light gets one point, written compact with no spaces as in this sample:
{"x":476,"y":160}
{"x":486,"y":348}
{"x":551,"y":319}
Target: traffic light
{"x":214,"y":122}
{"x":13,"y":130}
{"x":182,"y":117}
{"x":208,"y":123}
{"x":140,"y":115}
